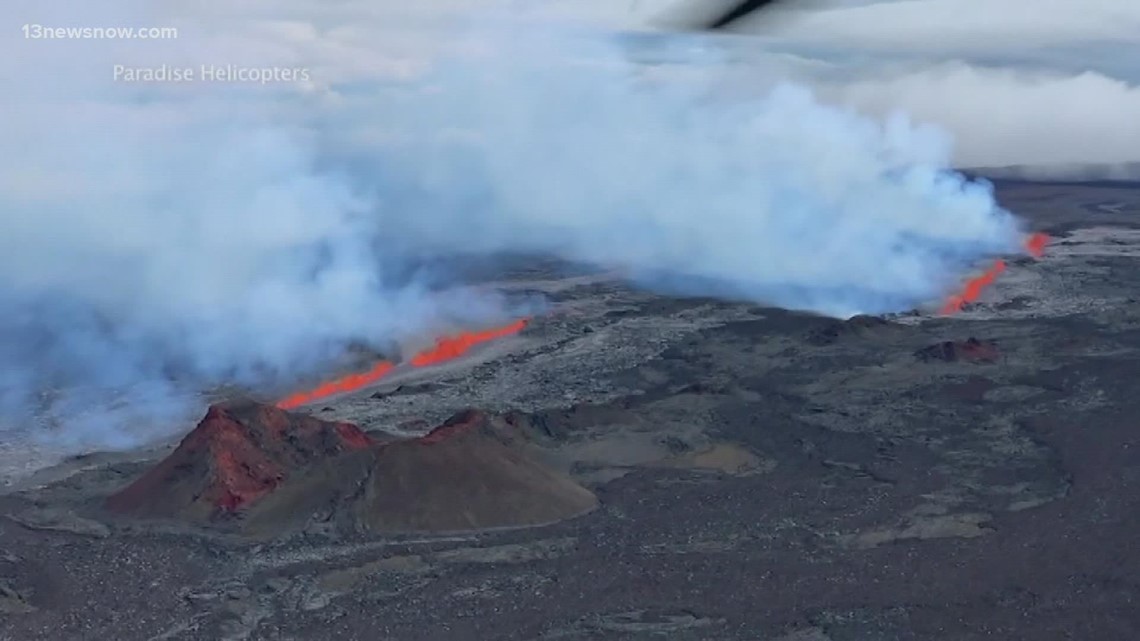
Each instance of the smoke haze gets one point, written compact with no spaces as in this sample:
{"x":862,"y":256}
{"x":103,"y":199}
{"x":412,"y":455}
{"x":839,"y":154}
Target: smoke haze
{"x":163,"y":238}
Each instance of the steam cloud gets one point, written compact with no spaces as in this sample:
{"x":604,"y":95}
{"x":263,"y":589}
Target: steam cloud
{"x":161,"y":239}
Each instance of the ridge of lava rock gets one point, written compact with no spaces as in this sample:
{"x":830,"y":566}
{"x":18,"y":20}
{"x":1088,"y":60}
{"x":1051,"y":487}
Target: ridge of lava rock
{"x":458,"y":424}
{"x":240,"y":452}
{"x":836,"y":330}
{"x":971,"y":349}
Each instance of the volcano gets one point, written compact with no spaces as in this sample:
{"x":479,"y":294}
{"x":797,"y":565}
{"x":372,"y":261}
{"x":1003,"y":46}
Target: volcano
{"x":240,"y":452}
{"x":266,"y":471}
{"x":902,"y":479}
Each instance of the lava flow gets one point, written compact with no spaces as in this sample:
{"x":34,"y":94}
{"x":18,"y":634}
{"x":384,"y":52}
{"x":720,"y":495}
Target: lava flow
{"x":974,"y":287}
{"x":451,"y":347}
{"x":446,"y":348}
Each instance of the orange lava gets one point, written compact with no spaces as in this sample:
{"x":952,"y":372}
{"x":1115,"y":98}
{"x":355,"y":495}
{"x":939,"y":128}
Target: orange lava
{"x":338,"y":386}
{"x":1036,"y":244}
{"x":446,"y":348}
{"x":451,"y":347}
{"x":974,"y":287}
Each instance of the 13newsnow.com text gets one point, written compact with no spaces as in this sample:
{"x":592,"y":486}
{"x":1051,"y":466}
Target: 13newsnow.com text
{"x":41,"y":32}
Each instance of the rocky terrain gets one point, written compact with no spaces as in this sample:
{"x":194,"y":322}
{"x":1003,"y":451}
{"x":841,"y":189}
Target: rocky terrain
{"x":635,"y":466}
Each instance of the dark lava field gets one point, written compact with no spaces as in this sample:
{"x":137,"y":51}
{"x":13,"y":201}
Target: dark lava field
{"x":634,"y":466}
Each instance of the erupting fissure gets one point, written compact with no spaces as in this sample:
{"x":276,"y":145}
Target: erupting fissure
{"x":445,"y":349}
{"x":451,"y":347}
{"x":974,"y":287}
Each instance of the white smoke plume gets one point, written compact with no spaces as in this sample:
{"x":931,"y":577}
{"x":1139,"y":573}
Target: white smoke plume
{"x":211,"y":233}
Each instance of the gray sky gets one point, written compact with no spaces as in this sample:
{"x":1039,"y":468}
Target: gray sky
{"x":1039,"y":83}
{"x":1016,"y":82}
